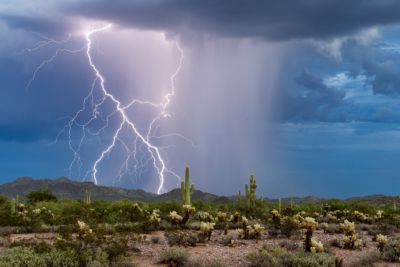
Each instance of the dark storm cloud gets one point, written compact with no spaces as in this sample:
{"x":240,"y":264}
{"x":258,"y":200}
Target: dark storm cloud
{"x":379,"y":62}
{"x":309,"y":99}
{"x":49,"y":25}
{"x":273,"y":20}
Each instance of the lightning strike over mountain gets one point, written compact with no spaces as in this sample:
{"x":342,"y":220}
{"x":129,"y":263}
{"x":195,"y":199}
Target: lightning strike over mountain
{"x":93,"y":104}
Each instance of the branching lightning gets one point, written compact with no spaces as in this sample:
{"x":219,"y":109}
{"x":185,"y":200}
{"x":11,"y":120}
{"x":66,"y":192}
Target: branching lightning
{"x":93,"y":104}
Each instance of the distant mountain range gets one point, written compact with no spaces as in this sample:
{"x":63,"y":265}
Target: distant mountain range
{"x":69,"y":189}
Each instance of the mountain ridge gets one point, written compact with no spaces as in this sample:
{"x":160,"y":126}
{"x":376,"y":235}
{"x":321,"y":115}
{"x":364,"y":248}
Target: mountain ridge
{"x":66,"y":188}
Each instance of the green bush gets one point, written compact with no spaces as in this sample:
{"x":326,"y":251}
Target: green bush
{"x":27,"y":257}
{"x":181,"y":238}
{"x":175,"y":256}
{"x":44,"y":195}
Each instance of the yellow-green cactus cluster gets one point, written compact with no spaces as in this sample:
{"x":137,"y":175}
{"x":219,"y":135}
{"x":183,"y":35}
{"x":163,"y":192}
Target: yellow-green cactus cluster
{"x":244,"y":220}
{"x":137,"y":207}
{"x":251,"y":231}
{"x":316,"y":246}
{"x":382,"y":241}
{"x":298,"y":218}
{"x":205,"y":216}
{"x":350,"y":241}
{"x":347,"y":227}
{"x":206,"y":229}
{"x":309,"y":223}
{"x":359,"y":216}
{"x":84,"y":228}
{"x":188,"y":208}
{"x":379,"y":215}
{"x":275,"y":213}
{"x":175,"y":217}
{"x":222,"y":217}
{"x":155,"y":216}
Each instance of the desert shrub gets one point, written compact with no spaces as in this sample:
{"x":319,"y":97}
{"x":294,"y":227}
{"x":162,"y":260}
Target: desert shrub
{"x":368,"y":260}
{"x":289,"y":226}
{"x":228,"y":240}
{"x":391,"y":251}
{"x":174,"y":256}
{"x":289,"y":245}
{"x":278,"y":257}
{"x":28,"y":257}
{"x":200,"y":262}
{"x":155,"y":239}
{"x":105,"y":229}
{"x":336,"y":242}
{"x":333,"y":228}
{"x":44,"y":195}
{"x":93,"y":247}
{"x":181,"y":238}
{"x":136,"y":227}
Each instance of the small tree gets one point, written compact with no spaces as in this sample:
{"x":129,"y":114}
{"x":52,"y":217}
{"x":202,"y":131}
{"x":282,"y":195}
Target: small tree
{"x":41,"y":195}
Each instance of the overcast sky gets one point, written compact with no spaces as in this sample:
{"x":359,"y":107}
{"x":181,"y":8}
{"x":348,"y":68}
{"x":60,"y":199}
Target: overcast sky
{"x":302,"y":94}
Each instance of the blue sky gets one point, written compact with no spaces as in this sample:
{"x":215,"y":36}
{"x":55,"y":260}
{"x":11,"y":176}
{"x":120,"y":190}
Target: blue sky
{"x":304,"y":95}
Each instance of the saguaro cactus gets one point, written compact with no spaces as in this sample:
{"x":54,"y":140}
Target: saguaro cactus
{"x":88,"y":197}
{"x":251,"y":195}
{"x":186,"y":189}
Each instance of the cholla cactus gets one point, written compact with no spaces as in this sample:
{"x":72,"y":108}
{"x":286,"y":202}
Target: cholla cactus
{"x":251,"y":231}
{"x":347,"y":227}
{"x":316,"y":246}
{"x":276,"y":219}
{"x":175,"y":217}
{"x":309,"y":224}
{"x":359,"y":216}
{"x":258,"y":230}
{"x":297,"y":218}
{"x":382,"y":241}
{"x":350,"y":241}
{"x":236,"y":217}
{"x":137,"y":207}
{"x":222,"y":217}
{"x":155,"y":217}
{"x":379,"y":215}
{"x":84,"y":229}
{"x":188,"y":210}
{"x":206,"y":229}
{"x":204,"y":216}
{"x":36,"y":211}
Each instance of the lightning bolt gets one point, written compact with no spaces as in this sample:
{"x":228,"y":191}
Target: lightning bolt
{"x":92,"y":104}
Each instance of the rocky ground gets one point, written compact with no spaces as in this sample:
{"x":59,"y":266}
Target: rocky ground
{"x":146,"y":252}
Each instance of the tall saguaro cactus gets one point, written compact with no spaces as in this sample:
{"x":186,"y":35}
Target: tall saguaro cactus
{"x":186,"y":189}
{"x":251,"y":195}
{"x":88,"y":197}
